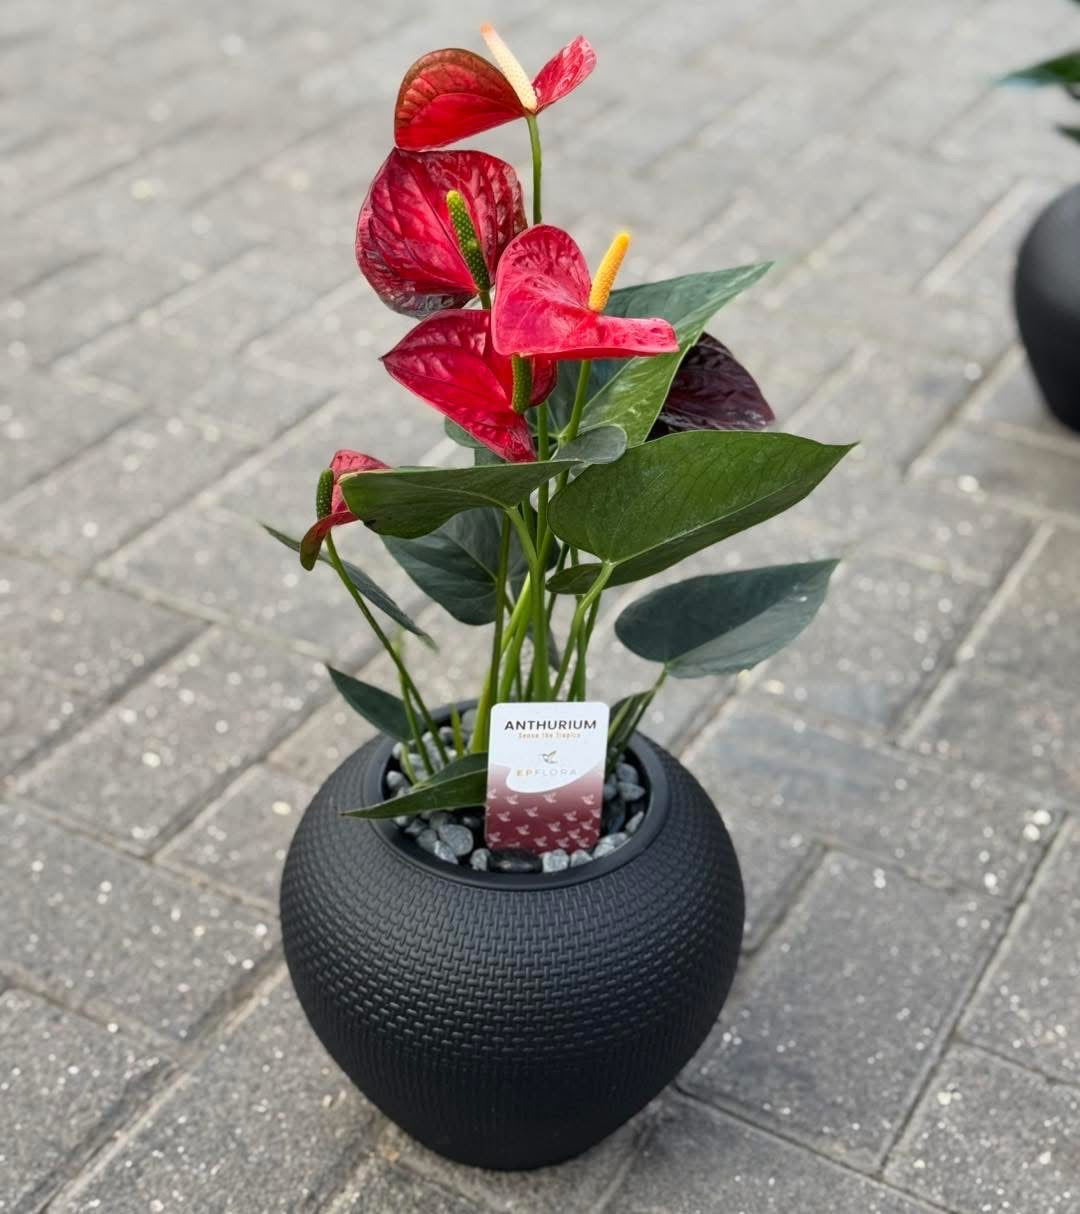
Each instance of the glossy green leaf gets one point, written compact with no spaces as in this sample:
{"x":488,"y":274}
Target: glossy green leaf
{"x":385,"y":711}
{"x":1071,"y":132}
{"x":603,"y":445}
{"x":414,"y":501}
{"x":1062,"y":70}
{"x":461,"y":784}
{"x":676,"y":495}
{"x":634,"y":394}
{"x":721,"y":623}
{"x":368,"y":588}
{"x":456,"y":563}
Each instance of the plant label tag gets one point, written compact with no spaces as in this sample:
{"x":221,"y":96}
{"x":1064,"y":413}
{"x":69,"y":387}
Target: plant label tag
{"x":545,"y":776}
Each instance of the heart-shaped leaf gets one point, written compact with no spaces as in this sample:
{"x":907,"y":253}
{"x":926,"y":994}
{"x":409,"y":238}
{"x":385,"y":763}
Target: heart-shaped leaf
{"x":456,"y":564}
{"x":712,"y":390}
{"x":604,"y":445}
{"x":461,"y":784}
{"x":413,"y":501}
{"x":368,"y":588}
{"x":385,"y":711}
{"x":672,"y":497}
{"x":721,"y":623}
{"x":632,"y":392}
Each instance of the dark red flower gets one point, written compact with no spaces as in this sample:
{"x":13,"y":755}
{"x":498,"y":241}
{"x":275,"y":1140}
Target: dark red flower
{"x":405,"y":243}
{"x":451,"y":94}
{"x":449,"y":361}
{"x":343,"y":461}
{"x":712,"y":391}
{"x":543,"y":308}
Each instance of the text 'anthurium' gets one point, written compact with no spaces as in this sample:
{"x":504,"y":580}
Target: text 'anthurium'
{"x":545,"y":304}
{"x":451,"y":94}
{"x":405,"y":241}
{"x":339,"y":513}
{"x":449,"y":361}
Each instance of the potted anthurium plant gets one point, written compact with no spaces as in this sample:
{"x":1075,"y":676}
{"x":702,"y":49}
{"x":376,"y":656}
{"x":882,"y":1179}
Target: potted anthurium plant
{"x":510,"y":956}
{"x":1047,"y":283}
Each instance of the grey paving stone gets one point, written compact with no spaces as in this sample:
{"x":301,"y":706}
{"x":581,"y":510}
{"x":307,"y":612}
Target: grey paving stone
{"x":1029,"y":1003}
{"x":35,"y":709}
{"x":63,"y":1080}
{"x":44,"y":422}
{"x":805,"y":1050}
{"x":701,"y":1162}
{"x":264,"y":1122}
{"x":379,"y":1188}
{"x":1021,"y":731}
{"x":227,"y":568}
{"x":1034,"y":475}
{"x":579,"y":1184}
{"x":91,"y":638}
{"x":1016,"y":401}
{"x":328,"y":735}
{"x":108,"y":933}
{"x":992,"y":1138}
{"x":885,"y":630}
{"x":115,"y":489}
{"x":240,"y":840}
{"x":170,"y":375}
{"x":173,"y":739}
{"x":965,"y":533}
{"x":1036,"y":634}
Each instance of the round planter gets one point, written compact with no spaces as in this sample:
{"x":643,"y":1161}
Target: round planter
{"x":511,"y":1020}
{"x":1047,"y":295}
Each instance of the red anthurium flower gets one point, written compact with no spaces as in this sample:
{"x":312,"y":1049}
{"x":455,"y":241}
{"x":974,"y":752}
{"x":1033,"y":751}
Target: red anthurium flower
{"x":451,"y":94}
{"x":343,"y":461}
{"x":712,"y":391}
{"x":546,"y":305}
{"x":449,"y":361}
{"x":405,"y":243}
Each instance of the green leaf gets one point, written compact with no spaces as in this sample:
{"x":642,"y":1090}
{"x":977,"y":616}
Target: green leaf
{"x":671,"y":497}
{"x":1071,"y":132}
{"x":632,"y":393}
{"x":461,"y":784}
{"x":602,"y":445}
{"x":461,"y":436}
{"x":369,"y":589}
{"x":456,"y":564}
{"x":1063,"y":70}
{"x":413,"y":501}
{"x":385,"y":711}
{"x":721,"y":623}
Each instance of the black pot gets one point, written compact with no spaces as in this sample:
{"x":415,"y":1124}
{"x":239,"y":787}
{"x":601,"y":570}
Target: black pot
{"x":511,"y":1020}
{"x":1047,"y":294}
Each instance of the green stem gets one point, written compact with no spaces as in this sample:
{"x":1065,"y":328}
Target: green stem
{"x":414,"y":728}
{"x":485,"y":299}
{"x":577,"y":683}
{"x":513,"y":639}
{"x":384,"y":640}
{"x":537,"y":163}
{"x":580,"y":613}
{"x":539,"y":682}
{"x":483,"y":709}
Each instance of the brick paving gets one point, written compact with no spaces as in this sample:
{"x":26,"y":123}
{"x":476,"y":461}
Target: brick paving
{"x":184,"y":339}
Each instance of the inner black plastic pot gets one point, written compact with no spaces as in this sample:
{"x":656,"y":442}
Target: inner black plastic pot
{"x":655,"y":805}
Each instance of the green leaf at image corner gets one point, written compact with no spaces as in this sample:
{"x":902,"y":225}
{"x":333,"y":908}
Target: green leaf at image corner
{"x":380,"y":708}
{"x":671,"y":497}
{"x":632,"y":392}
{"x":1062,"y":70}
{"x":461,"y":784}
{"x":456,"y":564}
{"x":366,"y":586}
{"x":409,"y":502}
{"x":723,"y":623}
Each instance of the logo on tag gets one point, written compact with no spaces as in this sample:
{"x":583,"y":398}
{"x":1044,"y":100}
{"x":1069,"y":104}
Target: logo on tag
{"x":545,"y":776}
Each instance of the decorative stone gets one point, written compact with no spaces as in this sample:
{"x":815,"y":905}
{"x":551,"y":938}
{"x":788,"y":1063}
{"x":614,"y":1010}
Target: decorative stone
{"x":609,"y":844}
{"x":439,"y":818}
{"x":459,"y":839}
{"x":514,"y":862}
{"x":446,"y":733}
{"x":441,"y":852}
{"x":610,"y":789}
{"x":479,"y":859}
{"x":635,"y":822}
{"x":427,"y":839}
{"x":472,"y":821}
{"x":554,"y":861}
{"x":415,"y":826}
{"x":395,"y":780}
{"x":402,"y":820}
{"x":579,"y":857}
{"x":630,"y":791}
{"x":468,"y":720}
{"x":614,"y":817}
{"x":626,"y":773}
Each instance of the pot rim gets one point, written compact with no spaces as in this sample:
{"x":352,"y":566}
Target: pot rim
{"x":656,"y":806}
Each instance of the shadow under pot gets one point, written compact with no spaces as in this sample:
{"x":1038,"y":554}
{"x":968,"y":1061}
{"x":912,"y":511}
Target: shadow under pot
{"x":1047,"y":297}
{"x":511,"y":1020}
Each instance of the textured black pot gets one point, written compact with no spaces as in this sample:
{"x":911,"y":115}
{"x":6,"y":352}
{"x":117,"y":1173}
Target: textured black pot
{"x":511,"y":1020}
{"x":1047,"y":295}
